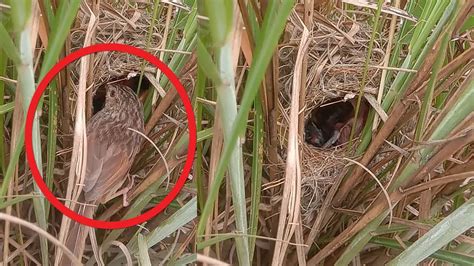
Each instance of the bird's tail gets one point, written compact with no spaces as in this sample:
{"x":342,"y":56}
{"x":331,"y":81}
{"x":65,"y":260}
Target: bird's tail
{"x":77,"y":235}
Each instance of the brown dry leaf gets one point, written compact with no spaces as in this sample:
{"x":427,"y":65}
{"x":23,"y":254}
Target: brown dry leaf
{"x":79,"y":152}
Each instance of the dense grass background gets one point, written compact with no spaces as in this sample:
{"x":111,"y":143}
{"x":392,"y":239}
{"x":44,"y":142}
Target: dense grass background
{"x":35,"y":35}
{"x":416,"y":146}
{"x":400,"y":193}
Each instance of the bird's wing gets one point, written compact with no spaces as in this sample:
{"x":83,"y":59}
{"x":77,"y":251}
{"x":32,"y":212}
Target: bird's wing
{"x":345,"y":133}
{"x":106,"y":168}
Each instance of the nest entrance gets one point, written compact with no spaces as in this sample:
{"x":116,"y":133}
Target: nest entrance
{"x":139,"y":86}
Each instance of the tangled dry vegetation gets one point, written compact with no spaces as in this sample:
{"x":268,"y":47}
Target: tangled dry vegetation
{"x":159,"y":29}
{"x":365,"y":202}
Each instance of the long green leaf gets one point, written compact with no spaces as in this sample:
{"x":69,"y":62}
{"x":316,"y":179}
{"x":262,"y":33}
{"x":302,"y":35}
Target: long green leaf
{"x":451,"y":257}
{"x":186,"y":259}
{"x":6,"y":108}
{"x":3,"y":69}
{"x":139,"y":204}
{"x":8,"y":46}
{"x":180,"y":218}
{"x":65,"y":16}
{"x":12,"y":164}
{"x":227,"y":102}
{"x":186,"y":214}
{"x":256,"y":180}
{"x":461,"y":220}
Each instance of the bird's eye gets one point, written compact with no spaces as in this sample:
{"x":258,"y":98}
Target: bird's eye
{"x":112,"y":93}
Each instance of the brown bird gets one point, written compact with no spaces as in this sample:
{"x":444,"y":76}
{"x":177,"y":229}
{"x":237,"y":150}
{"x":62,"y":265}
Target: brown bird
{"x":345,"y":130}
{"x":331,"y":124}
{"x":111,"y":149}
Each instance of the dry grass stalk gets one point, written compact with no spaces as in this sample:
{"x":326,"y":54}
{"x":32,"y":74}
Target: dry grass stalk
{"x":79,"y":150}
{"x":290,"y":205}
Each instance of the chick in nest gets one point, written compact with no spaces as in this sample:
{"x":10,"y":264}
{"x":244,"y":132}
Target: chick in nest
{"x":331,"y":123}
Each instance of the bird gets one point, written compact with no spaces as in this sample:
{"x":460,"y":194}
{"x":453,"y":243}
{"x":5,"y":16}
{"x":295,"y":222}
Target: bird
{"x":331,"y":123}
{"x":112,"y":145}
{"x":345,"y":130}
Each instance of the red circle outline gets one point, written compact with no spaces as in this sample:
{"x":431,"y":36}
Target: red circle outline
{"x":191,"y":125}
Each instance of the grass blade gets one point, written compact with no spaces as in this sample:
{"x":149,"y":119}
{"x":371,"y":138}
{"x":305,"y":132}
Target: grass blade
{"x":448,"y":256}
{"x":439,"y":236}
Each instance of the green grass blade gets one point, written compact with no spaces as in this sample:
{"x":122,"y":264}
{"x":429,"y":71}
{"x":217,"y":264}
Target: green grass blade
{"x":6,"y":108}
{"x":143,"y":257}
{"x":359,"y":242}
{"x":213,"y":241}
{"x":205,"y":63}
{"x":439,"y":236}
{"x":12,"y":164}
{"x":52,"y":135}
{"x":187,"y":259}
{"x":221,"y":17}
{"x":139,"y":204}
{"x":256,"y":180}
{"x":3,"y":109}
{"x":447,"y":256}
{"x":186,"y":214}
{"x":198,"y":162}
{"x":65,"y":16}
{"x":20,"y":13}
{"x":8,"y":46}
{"x":16,"y":200}
{"x":429,"y":94}
{"x":227,"y":102}
{"x":48,"y":9}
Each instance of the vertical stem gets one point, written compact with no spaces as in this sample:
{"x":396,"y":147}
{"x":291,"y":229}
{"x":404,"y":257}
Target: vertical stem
{"x":227,"y":100}
{"x":26,"y":82}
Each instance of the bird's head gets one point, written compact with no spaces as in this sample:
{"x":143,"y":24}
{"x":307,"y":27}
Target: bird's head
{"x":313,"y":134}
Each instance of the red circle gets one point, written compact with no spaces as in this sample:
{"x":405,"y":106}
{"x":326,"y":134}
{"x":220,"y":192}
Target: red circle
{"x":191,"y":125}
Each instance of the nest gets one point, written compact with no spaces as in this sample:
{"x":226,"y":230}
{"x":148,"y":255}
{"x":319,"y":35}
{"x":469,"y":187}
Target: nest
{"x":117,"y":24}
{"x":335,"y":69}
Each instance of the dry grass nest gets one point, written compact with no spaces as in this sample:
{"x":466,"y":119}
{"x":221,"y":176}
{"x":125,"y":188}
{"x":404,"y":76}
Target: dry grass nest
{"x":335,"y":67}
{"x":126,"y":24}
{"x":117,"y":24}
